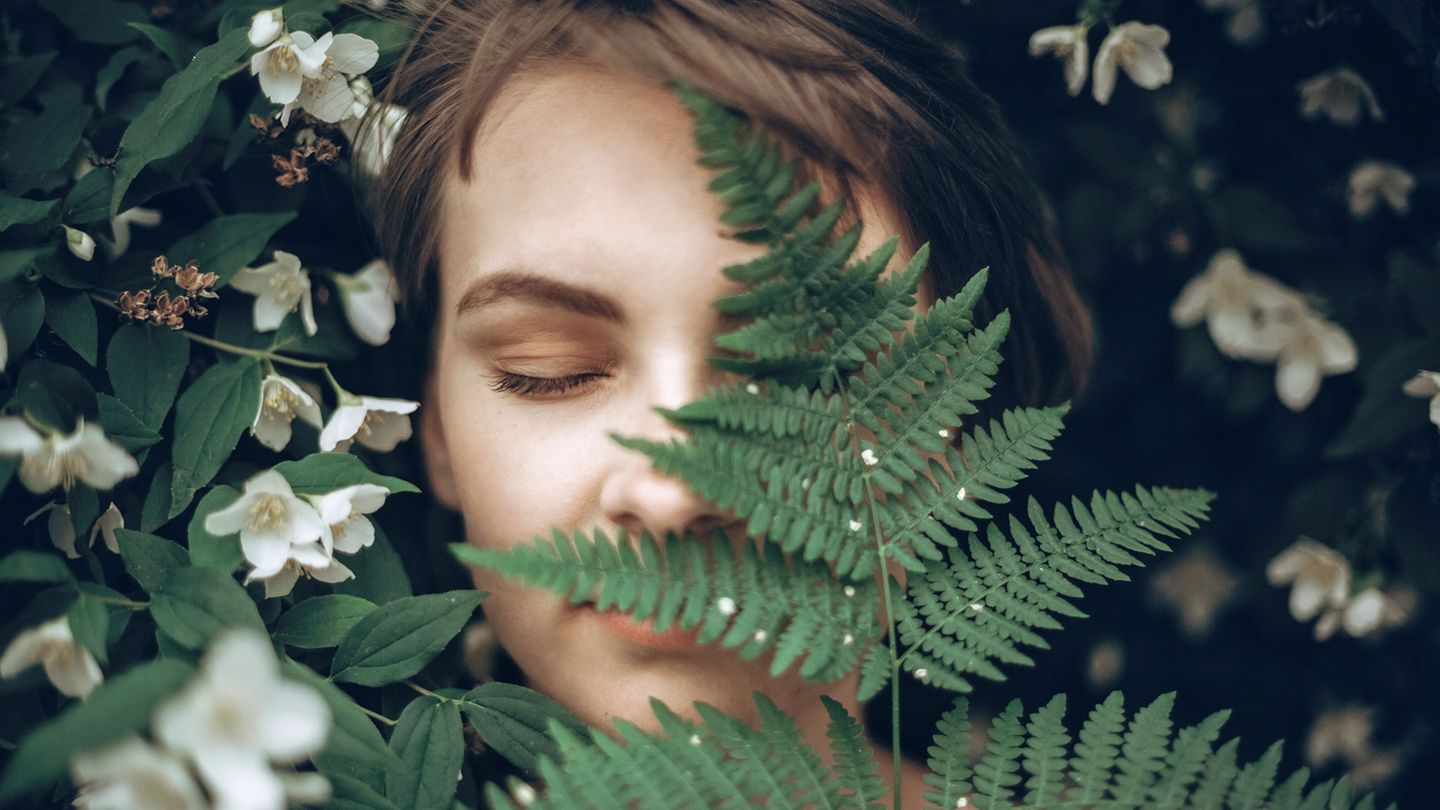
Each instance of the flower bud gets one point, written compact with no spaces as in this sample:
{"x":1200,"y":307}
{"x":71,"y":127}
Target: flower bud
{"x":266,"y":26}
{"x":79,"y":243}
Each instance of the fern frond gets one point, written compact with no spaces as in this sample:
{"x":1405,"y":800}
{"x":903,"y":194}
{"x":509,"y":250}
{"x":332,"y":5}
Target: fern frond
{"x":1187,"y":757}
{"x":997,"y":773}
{"x":859,"y":784}
{"x":1096,"y":751}
{"x":792,"y":609}
{"x":1253,"y":784}
{"x":1045,"y":753}
{"x":1140,"y":753}
{"x":949,"y":759}
{"x":980,"y":604}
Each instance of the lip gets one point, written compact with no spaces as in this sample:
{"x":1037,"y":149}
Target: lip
{"x":640,"y":633}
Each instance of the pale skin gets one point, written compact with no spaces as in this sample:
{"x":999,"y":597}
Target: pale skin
{"x":585,"y":253}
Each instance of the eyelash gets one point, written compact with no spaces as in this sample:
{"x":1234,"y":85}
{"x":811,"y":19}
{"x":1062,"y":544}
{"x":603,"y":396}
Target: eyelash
{"x":525,"y":386}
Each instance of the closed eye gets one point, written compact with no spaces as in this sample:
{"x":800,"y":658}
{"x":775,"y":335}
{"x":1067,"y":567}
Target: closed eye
{"x":506,"y":382}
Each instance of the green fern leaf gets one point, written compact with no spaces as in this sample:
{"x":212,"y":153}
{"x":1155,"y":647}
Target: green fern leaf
{"x":1095,"y":753}
{"x":998,"y":771}
{"x":859,"y":784}
{"x":1192,"y":746}
{"x":1253,"y":784}
{"x":1140,"y":755}
{"x":1219,"y":771}
{"x":950,"y":777}
{"x":1044,"y":756}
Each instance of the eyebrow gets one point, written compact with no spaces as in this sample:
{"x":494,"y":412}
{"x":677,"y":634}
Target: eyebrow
{"x":524,"y":286}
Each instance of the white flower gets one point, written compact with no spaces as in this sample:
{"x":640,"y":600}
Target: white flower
{"x":1068,"y":42}
{"x":46,"y":462}
{"x":371,"y":134}
{"x":237,"y":717}
{"x":281,"y":400}
{"x":376,"y":422}
{"x":1241,"y":308}
{"x":1314,"y":348}
{"x":133,"y":773}
{"x":265,"y":27}
{"x":1320,"y":575}
{"x":81,"y":245}
{"x":1426,"y":384}
{"x":368,"y":297}
{"x":1197,"y":586}
{"x":1246,"y":24}
{"x":1374,"y":180}
{"x":1341,"y":95}
{"x":61,"y":527}
{"x":1345,"y":733}
{"x":120,"y":227}
{"x":69,"y":666}
{"x":311,"y":559}
{"x":343,"y":512}
{"x":314,"y":74}
{"x":105,"y":526}
{"x":278,"y":287}
{"x":277,"y":528}
{"x":1140,"y":50}
{"x":1368,"y":611}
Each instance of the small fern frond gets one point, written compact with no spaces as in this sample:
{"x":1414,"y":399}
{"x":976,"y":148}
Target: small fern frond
{"x":1253,"y":784}
{"x":1140,"y":753}
{"x":859,"y":784}
{"x":998,"y":772}
{"x":950,"y":774}
{"x":1096,"y":750}
{"x":752,"y":599}
{"x":979,"y":605}
{"x":1044,"y":756}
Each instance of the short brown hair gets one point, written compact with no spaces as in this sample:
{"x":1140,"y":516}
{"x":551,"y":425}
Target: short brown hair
{"x":852,"y":87}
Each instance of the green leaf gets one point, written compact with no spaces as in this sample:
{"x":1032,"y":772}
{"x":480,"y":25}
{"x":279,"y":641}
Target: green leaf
{"x":145,"y":365}
{"x":1386,"y":414}
{"x":72,"y":317}
{"x":400,"y":638}
{"x":170,"y":122}
{"x":19,"y":74}
{"x":156,"y":510}
{"x":319,"y":473}
{"x":349,"y":793}
{"x":119,"y":708}
{"x":195,"y":604}
{"x":354,"y":748}
{"x":20,"y":211}
{"x":111,"y":73}
{"x":514,"y":721}
{"x":90,"y":624}
{"x":38,"y":146}
{"x":228,"y":243}
{"x":104,"y":22}
{"x":22,"y":311}
{"x":176,"y":52}
{"x":89,"y":199}
{"x":122,"y":425}
{"x":379,"y":572}
{"x":209,"y":418}
{"x":428,"y":741}
{"x":149,"y":559}
{"x":34,"y":566}
{"x":208,"y":550}
{"x":322,"y":621}
{"x":53,"y":394}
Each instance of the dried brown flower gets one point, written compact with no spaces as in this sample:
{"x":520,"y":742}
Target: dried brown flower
{"x":292,"y":171}
{"x":158,"y":305}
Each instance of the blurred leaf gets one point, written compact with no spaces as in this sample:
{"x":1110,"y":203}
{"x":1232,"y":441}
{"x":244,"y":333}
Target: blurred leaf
{"x":1386,"y":414}
{"x":84,"y":506}
{"x":88,"y":198}
{"x":149,"y":559}
{"x":322,"y":621}
{"x":172,"y":120}
{"x":105,"y":22}
{"x":1417,"y":287}
{"x":1255,"y":219}
{"x":430,"y":745}
{"x":122,"y":425}
{"x":354,"y":747}
{"x":209,"y":418}
{"x":208,"y":550}
{"x":90,"y":624}
{"x":71,"y":315}
{"x":379,"y":572}
{"x":399,"y":638}
{"x":119,"y":708}
{"x":228,"y":243}
{"x":22,"y":311}
{"x":54,"y":395}
{"x":19,"y":74}
{"x":349,"y":793}
{"x":174,"y":50}
{"x":514,"y":721}
{"x":34,"y":566}
{"x":114,"y":69}
{"x":319,"y":473}
{"x":146,"y":364}
{"x":156,"y":510}
{"x":194,"y":605}
{"x":20,"y":211}
{"x":37,"y":146}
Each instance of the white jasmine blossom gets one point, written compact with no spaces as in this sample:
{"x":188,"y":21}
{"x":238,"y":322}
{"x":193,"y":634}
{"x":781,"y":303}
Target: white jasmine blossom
{"x":378,"y":423}
{"x":1426,"y":384}
{"x":368,"y":297}
{"x":1345,"y":733}
{"x":131,"y":774}
{"x":105,"y":526}
{"x":1341,"y":95}
{"x":1374,"y":180}
{"x":81,"y":245}
{"x":1313,"y":348}
{"x":265,"y":27}
{"x":279,"y":287}
{"x":1320,"y":577}
{"x":120,"y":228}
{"x":48,"y":461}
{"x":1240,"y":307}
{"x":283,"y":66}
{"x":1139,"y":49}
{"x":311,"y":559}
{"x":324,"y":90}
{"x":343,"y":513}
{"x":1368,"y":611}
{"x":281,"y":400}
{"x":276,"y":528}
{"x":237,"y":717}
{"x":1068,"y":42}
{"x":371,"y":130}
{"x":68,"y":665}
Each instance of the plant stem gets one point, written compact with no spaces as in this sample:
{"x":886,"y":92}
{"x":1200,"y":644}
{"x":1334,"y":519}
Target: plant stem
{"x":265,"y":354}
{"x":129,"y":603}
{"x":377,"y":716}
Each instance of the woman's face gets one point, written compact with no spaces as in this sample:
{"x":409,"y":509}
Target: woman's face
{"x":578,"y":266}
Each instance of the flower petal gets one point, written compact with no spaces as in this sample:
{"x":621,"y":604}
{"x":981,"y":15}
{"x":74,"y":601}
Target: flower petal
{"x":352,"y":53}
{"x":342,"y":425}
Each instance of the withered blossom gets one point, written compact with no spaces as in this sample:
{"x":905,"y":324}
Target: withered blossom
{"x":162,"y":308}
